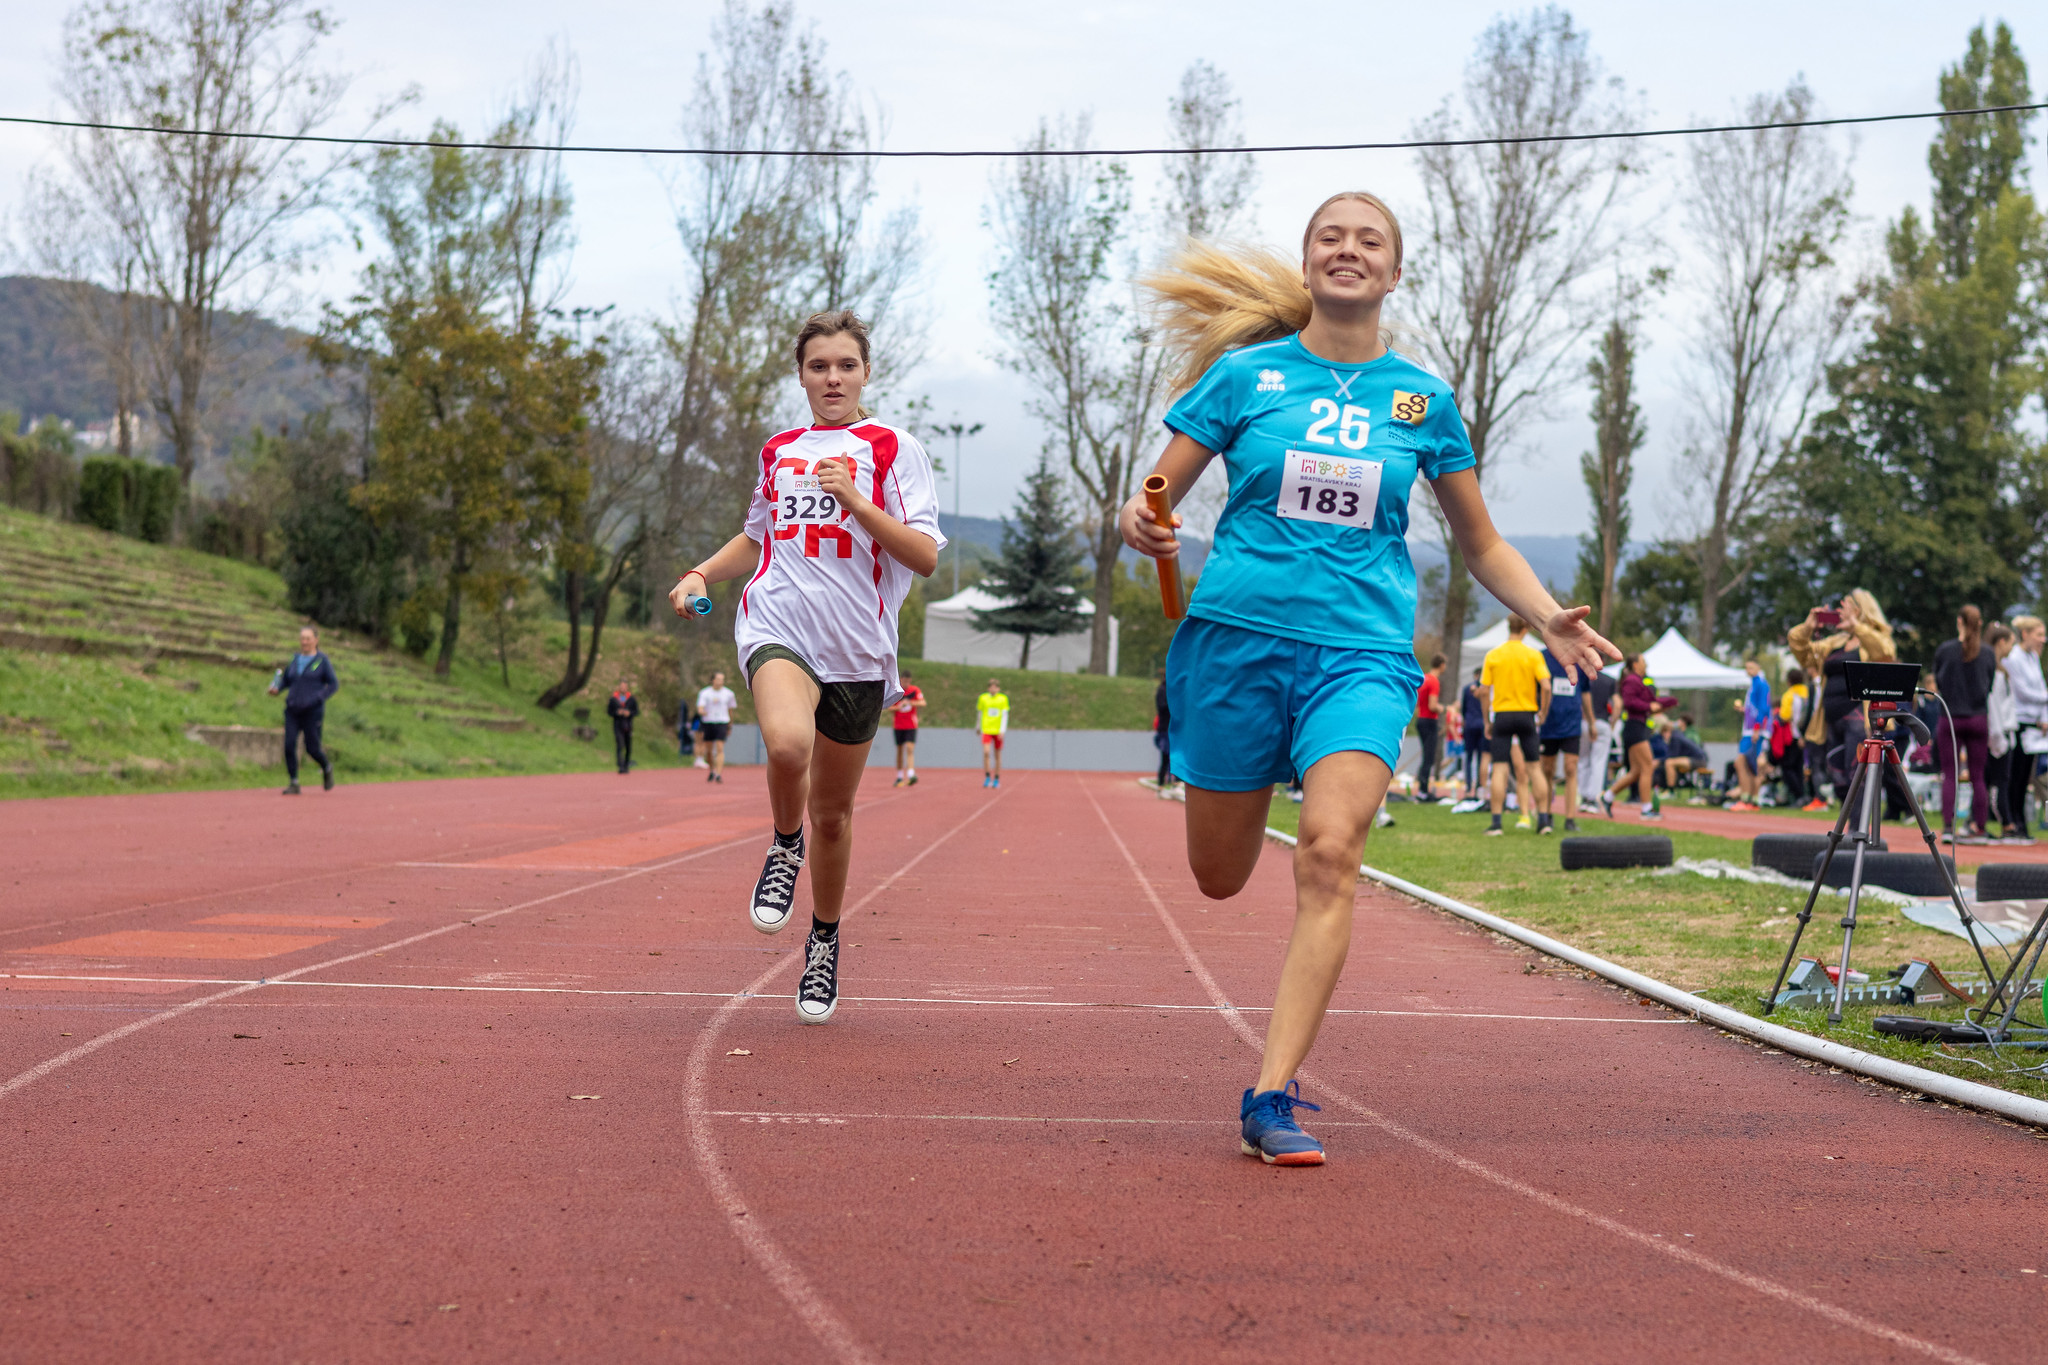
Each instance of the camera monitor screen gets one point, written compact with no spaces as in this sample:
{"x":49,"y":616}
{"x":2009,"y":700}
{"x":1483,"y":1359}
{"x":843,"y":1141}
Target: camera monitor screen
{"x":1880,"y":682}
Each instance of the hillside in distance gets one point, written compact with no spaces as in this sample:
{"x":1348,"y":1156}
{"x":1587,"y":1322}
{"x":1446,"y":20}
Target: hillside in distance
{"x":49,"y":369}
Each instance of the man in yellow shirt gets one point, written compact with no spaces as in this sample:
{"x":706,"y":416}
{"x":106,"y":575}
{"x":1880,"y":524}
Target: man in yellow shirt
{"x":1514,"y":687}
{"x":992,"y":713}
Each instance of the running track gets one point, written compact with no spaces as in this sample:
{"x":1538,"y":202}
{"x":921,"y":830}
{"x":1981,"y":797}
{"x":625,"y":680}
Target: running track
{"x":1014,"y":1142}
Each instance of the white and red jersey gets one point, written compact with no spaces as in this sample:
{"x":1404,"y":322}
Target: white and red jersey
{"x":824,"y":588}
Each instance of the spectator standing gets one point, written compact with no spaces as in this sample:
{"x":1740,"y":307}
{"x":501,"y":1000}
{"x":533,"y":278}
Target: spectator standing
{"x":622,"y":708}
{"x":1429,"y":714}
{"x":2001,"y":730}
{"x":1564,"y":725}
{"x":1162,"y":736}
{"x":1859,"y":631}
{"x":714,"y":711}
{"x":1454,"y":742}
{"x":2030,"y":707}
{"x":1639,"y":701}
{"x":307,"y":682}
{"x":1791,"y":751}
{"x":1472,"y":718}
{"x":1753,"y":746}
{"x":1515,"y":684}
{"x":1598,"y":744}
{"x":1963,"y":670}
{"x":904,"y":721}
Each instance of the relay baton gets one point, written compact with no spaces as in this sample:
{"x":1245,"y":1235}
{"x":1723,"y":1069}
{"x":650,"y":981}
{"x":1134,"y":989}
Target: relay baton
{"x":1170,"y":595}
{"x":700,"y":605}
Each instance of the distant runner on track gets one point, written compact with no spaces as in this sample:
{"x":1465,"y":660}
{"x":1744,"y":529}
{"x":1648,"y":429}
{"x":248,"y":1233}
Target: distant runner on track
{"x":1298,"y":648}
{"x":714,"y":704}
{"x":905,"y":723}
{"x":992,"y":718}
{"x":843,"y":513}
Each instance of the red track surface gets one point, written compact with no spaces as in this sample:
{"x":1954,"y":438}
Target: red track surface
{"x":1015,"y":1141}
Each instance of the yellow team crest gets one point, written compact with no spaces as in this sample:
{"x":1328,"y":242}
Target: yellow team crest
{"x":1410,"y":407}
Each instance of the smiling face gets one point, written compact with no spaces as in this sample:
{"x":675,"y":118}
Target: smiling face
{"x":309,"y":643}
{"x":833,"y":375}
{"x":1350,"y":261}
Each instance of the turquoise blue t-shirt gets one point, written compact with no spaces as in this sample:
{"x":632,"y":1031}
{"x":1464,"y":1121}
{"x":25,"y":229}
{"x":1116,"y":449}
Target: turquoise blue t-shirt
{"x":1312,"y":544}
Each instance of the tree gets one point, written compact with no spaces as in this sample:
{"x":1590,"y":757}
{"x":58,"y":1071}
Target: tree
{"x":480,"y":420}
{"x":1609,"y":468}
{"x":1513,"y":232}
{"x":1206,"y":192}
{"x":608,"y":531}
{"x":1921,"y":483}
{"x":1035,"y":576}
{"x":1764,"y":209}
{"x":1057,"y":220}
{"x":199,"y":227}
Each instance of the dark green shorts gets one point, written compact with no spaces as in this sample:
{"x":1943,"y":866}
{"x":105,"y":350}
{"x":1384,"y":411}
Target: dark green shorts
{"x":848,"y":712}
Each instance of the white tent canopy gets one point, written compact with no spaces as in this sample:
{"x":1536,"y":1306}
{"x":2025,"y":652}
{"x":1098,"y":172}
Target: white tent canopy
{"x":1673,"y":662}
{"x":950,"y":637}
{"x":1494,"y":635}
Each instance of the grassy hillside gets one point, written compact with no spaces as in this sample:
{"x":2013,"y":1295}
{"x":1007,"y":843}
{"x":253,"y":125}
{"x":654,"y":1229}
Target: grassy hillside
{"x":110,"y":650}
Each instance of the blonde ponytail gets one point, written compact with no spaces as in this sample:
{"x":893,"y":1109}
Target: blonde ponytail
{"x":1211,"y":299}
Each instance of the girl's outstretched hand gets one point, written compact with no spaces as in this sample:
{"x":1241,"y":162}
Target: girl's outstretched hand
{"x":1576,"y":645}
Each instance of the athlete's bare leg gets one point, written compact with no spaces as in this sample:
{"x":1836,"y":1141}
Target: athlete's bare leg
{"x":835,"y":781}
{"x":1225,"y":833}
{"x":717,"y":747}
{"x":1339,"y":795}
{"x":786,"y":704}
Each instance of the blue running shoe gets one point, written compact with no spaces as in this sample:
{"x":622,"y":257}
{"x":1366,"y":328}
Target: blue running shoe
{"x":1270,"y":1132}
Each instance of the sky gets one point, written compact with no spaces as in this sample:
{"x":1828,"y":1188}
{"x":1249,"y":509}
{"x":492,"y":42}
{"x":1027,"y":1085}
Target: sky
{"x":970,"y":75}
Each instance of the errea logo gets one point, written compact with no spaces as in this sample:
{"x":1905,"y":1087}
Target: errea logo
{"x":1272,"y":381}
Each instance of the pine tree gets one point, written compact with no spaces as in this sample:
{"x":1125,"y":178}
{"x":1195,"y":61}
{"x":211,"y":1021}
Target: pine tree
{"x":1609,"y":467}
{"x":1035,"y":576}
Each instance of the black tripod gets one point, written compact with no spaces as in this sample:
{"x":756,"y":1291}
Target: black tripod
{"x":1885,"y":687}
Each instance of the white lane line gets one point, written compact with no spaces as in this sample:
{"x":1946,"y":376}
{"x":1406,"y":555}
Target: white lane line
{"x":92,"y":1045}
{"x":773,"y":1116}
{"x":850,"y":999}
{"x":1841,"y":1317}
{"x":808,"y":1305}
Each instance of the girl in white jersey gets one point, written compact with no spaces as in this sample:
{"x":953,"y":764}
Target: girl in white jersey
{"x":844,"y":511}
{"x":1297,"y":654}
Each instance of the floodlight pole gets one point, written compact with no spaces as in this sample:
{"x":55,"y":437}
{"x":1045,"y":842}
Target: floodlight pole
{"x":958,"y":431}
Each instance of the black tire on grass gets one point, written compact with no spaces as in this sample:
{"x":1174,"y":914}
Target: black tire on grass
{"x":2012,"y":882}
{"x":1792,"y":854}
{"x":1625,"y":850}
{"x":1915,"y":874}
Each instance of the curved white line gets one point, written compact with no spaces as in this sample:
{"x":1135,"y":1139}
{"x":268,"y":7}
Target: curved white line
{"x":809,"y":1306}
{"x":1841,"y":1317}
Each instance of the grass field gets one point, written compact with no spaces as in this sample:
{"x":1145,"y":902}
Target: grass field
{"x":1721,"y":939}
{"x":112,"y":650}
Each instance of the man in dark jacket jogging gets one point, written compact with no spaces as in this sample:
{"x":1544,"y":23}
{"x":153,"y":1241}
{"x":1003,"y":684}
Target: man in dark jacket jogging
{"x":307,"y":682}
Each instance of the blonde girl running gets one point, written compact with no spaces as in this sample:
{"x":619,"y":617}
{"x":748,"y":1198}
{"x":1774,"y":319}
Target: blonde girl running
{"x":844,"y":512}
{"x":1297,"y":653}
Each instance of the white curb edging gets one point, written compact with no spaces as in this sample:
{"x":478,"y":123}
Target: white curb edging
{"x":1903,"y":1074}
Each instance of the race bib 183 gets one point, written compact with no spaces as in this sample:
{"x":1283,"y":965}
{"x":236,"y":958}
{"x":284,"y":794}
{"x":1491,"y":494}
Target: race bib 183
{"x":1344,"y":492}
{"x":801,"y":502}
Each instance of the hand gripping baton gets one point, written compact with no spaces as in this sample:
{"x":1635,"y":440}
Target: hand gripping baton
{"x":1171,"y":597}
{"x":700,"y":605}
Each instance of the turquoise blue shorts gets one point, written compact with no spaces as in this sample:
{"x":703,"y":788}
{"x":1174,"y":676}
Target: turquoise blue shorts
{"x":1250,"y":709}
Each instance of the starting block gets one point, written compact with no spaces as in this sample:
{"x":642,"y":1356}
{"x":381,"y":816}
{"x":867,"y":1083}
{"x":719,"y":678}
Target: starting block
{"x":1811,"y":985}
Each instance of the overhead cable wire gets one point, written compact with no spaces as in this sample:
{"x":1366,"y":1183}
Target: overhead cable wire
{"x":1414,"y":144}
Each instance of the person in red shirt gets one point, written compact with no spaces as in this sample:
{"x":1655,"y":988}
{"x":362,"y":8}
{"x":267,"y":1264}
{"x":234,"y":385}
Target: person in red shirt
{"x":906,"y":709}
{"x":1429,"y":717}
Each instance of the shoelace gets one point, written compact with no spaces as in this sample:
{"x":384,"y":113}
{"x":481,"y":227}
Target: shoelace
{"x":778,"y":879}
{"x":1288,"y":1099}
{"x":817,"y":981}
